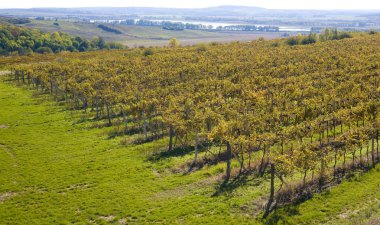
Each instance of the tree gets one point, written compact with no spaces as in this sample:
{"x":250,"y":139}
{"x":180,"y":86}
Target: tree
{"x":173,"y":43}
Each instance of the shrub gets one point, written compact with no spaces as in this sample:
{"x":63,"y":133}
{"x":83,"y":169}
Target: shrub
{"x":292,"y":41}
{"x":70,"y":49}
{"x":3,"y":52}
{"x":148,"y":52}
{"x":333,"y":34}
{"x":114,"y":45}
{"x":372,"y":32}
{"x":25,"y":51}
{"x":344,"y":35}
{"x":311,"y":39}
{"x":44,"y":50}
{"x":173,"y":43}
{"x":201,"y":48}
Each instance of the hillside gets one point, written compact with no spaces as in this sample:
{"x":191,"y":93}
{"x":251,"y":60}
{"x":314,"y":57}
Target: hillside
{"x":281,"y":131}
{"x":133,"y":36}
{"x":290,"y":20}
{"x":15,"y":40}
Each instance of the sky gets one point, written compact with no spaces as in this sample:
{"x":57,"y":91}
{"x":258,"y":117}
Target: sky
{"x":271,"y":4}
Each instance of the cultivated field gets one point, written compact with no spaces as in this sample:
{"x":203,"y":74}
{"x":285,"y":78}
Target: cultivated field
{"x":56,"y":168}
{"x":134,"y":36}
{"x":265,"y":132}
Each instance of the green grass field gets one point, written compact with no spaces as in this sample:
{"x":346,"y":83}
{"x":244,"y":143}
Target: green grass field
{"x":134,"y":36}
{"x":55,"y":168}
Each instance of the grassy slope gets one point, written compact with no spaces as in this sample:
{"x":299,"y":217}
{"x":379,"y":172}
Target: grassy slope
{"x":148,"y":36}
{"x":353,"y":202}
{"x":60,"y":172}
{"x":54,"y":169}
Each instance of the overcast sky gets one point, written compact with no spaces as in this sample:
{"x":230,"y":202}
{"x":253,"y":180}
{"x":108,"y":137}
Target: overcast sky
{"x":272,"y":4}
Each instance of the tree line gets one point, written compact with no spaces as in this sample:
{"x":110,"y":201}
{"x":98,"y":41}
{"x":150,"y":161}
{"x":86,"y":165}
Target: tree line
{"x":109,"y":29}
{"x":326,"y":35}
{"x":169,"y":25}
{"x":23,"y":41}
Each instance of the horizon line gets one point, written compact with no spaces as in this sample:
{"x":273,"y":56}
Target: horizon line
{"x":160,"y":7}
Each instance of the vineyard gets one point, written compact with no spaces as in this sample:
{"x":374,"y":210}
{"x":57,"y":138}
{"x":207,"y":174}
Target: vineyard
{"x":305,"y":117}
